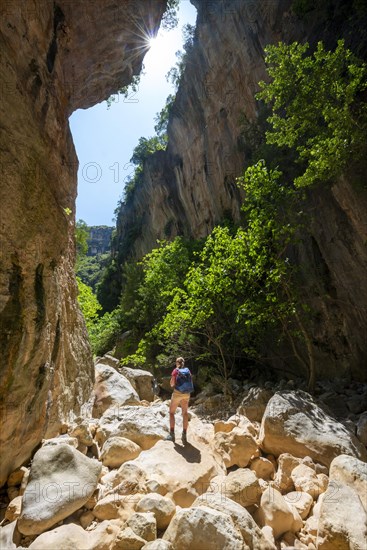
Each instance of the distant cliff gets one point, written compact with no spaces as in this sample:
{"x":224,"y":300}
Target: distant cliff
{"x":190,"y":187}
{"x":99,"y":240}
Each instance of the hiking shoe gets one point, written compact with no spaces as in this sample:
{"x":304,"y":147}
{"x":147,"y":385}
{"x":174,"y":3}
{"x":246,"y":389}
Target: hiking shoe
{"x":170,"y":437}
{"x":184,"y":438}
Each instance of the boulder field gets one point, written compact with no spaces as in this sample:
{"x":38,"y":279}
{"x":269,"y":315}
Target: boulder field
{"x":287,"y":476}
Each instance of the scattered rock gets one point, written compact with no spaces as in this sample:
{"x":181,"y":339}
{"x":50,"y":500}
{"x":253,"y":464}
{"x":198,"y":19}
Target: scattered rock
{"x":305,"y":479}
{"x":141,"y":381}
{"x":16,"y":477}
{"x":67,"y":537}
{"x":117,"y":450}
{"x":250,"y":531}
{"x":225,"y":426}
{"x":351,"y":472}
{"x":158,"y":544}
{"x":9,"y":536}
{"x":275,"y":512}
{"x":162,"y":507}
{"x":203,"y":527}
{"x":343,"y":520}
{"x":13,"y":510}
{"x":86,"y":519}
{"x":301,"y":501}
{"x":74,"y":537}
{"x":236,"y":447}
{"x":262,"y":467}
{"x":109,"y":360}
{"x":292,"y":420}
{"x":128,"y":540}
{"x":82,"y":432}
{"x":183,"y":473}
{"x":143,"y":425}
{"x":128,"y":478}
{"x":61,"y":440}
{"x":111,"y":389}
{"x":61,"y":481}
{"x":115,"y":506}
{"x":357,"y":404}
{"x":282,"y":479}
{"x":144,"y":524}
{"x":254,"y":404}
{"x":242,"y":486}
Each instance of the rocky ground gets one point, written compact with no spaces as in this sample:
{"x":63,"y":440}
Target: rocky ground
{"x":285,"y":471}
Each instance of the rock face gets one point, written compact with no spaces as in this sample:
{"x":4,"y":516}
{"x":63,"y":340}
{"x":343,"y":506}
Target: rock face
{"x":99,"y":240}
{"x":191,"y":186}
{"x":56,"y":57}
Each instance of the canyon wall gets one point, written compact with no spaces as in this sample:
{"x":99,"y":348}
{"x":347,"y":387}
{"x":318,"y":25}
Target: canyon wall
{"x":55,"y":57}
{"x":191,"y":186}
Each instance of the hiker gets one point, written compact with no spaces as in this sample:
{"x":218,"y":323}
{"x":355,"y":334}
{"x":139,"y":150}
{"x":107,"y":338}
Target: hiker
{"x":181,"y":381}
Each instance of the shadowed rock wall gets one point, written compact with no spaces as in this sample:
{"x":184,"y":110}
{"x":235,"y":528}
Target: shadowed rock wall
{"x":55,"y":57}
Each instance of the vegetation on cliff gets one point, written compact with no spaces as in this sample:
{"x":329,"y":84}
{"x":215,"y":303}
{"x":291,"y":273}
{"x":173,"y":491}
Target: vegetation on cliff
{"x":221,"y":300}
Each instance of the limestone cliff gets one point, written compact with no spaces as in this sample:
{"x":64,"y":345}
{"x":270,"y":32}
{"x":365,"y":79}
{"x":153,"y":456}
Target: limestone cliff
{"x":99,"y":240}
{"x":55,"y":57}
{"x":191,"y":186}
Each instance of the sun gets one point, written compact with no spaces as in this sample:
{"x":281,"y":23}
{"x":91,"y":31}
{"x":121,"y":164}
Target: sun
{"x":161,"y":53}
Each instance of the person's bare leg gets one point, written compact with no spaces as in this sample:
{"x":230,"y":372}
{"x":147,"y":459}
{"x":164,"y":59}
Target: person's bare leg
{"x":185,"y":414}
{"x":185,"y":420}
{"x":172,"y":410}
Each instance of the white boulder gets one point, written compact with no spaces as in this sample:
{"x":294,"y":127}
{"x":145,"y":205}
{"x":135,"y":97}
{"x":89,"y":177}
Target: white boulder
{"x":294,"y":422}
{"x":61,"y":481}
{"x":111,"y":389}
{"x":202,"y":527}
{"x":143,"y":425}
{"x":162,"y":507}
{"x":117,"y":450}
{"x":141,"y":380}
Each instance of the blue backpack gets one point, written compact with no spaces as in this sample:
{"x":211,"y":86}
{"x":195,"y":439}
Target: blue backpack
{"x":184,"y":381}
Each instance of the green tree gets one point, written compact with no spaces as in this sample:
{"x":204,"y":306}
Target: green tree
{"x":241,"y":287}
{"x":176,"y":72}
{"x":170,"y":16}
{"x":104,"y":331}
{"x":81,"y":236}
{"x":88,"y":303}
{"x":318,"y":107}
{"x":162,"y":271}
{"x":145,"y":148}
{"x":161,"y":118}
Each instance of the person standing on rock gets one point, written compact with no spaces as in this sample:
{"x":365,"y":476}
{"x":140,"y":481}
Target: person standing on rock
{"x":181,"y":381}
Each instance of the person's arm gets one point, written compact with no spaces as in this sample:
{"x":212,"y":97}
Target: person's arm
{"x":173,"y":378}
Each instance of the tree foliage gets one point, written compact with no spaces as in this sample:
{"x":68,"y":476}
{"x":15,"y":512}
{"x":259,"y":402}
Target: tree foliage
{"x":176,"y":72}
{"x":81,"y":238}
{"x":90,"y":269}
{"x":88,"y":303}
{"x":161,"y":118}
{"x":145,"y":148}
{"x":222,"y":299}
{"x":317,"y":107}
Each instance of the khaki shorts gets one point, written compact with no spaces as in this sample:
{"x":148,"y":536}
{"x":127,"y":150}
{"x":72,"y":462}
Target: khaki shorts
{"x":179,"y":397}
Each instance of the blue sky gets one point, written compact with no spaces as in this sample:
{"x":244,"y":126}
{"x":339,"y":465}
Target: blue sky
{"x":105,"y":138}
